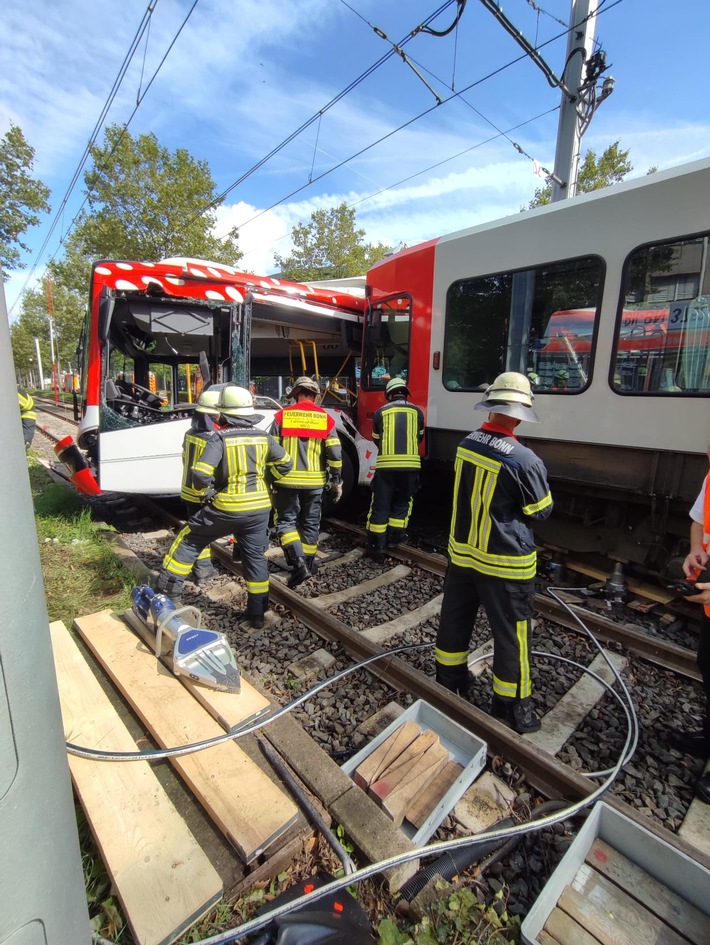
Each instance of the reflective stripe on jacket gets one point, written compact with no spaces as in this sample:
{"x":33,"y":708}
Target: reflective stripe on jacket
{"x":307,"y":433}
{"x":397,"y":430}
{"x":238,"y":459}
{"x":27,"y":405}
{"x":498,"y":485}
{"x":196,"y":438}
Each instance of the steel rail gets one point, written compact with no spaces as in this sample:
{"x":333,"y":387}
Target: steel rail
{"x":678,"y":659}
{"x":551,"y":778}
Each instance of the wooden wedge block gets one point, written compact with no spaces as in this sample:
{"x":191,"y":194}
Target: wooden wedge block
{"x":429,"y":765}
{"x":385,"y":753}
{"x":425,"y":801}
{"x":162,"y":877}
{"x":247,"y":806}
{"x":402,"y":767}
{"x":675,"y":911}
{"x":229,"y":709}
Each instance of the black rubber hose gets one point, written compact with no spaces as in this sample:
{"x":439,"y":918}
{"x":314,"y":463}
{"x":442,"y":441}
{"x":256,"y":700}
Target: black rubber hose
{"x":453,"y":863}
{"x":306,"y":804}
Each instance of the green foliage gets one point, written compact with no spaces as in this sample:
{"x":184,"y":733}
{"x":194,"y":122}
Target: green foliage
{"x":456,"y":919}
{"x":22,"y":196}
{"x":594,"y":173}
{"x":144,"y":202}
{"x":329,"y":247}
{"x":68,"y":313}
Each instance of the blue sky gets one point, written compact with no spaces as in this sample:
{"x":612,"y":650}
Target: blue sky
{"x":245,"y":74}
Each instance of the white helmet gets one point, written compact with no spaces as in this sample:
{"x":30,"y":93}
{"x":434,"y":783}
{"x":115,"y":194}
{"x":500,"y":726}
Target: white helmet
{"x":236,"y":402}
{"x":510,"y":394}
{"x":207,"y":402}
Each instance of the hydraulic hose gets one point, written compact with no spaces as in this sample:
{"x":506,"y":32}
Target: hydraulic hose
{"x":307,"y":805}
{"x":496,"y":834}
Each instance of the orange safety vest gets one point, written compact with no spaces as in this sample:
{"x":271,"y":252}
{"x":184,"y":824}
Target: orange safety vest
{"x":706,"y":526}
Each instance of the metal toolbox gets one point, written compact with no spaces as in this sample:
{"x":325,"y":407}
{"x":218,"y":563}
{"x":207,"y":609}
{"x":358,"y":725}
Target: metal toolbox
{"x":663,"y":862}
{"x":463,"y":746}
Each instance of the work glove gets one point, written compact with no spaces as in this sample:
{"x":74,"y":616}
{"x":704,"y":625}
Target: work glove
{"x":336,"y":491}
{"x":208,"y":495}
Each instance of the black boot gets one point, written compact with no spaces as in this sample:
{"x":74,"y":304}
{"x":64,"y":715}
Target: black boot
{"x":299,"y":573}
{"x":205,"y":574}
{"x":312,"y":564}
{"x":170,"y":586}
{"x":517,"y":714}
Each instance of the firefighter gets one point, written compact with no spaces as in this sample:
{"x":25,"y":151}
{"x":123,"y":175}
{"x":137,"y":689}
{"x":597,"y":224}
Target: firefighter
{"x":307,"y":433}
{"x":232,"y":468}
{"x":696,"y":742}
{"x":200,"y":433}
{"x":28,"y":415}
{"x":500,"y":487}
{"x":397,"y":430}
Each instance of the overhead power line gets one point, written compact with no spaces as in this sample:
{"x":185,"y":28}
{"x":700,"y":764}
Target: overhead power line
{"x":139,"y":101}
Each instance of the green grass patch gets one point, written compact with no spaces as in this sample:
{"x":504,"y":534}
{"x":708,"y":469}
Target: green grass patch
{"x":81,"y":572}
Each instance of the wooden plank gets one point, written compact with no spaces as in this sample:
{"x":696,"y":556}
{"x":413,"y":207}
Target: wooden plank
{"x":425,"y":801}
{"x":545,"y":939}
{"x":431,"y":763}
{"x":563,"y":929}
{"x":162,"y":877}
{"x":247,"y":806}
{"x":612,"y":916}
{"x":402,"y":767}
{"x":385,"y":753}
{"x":228,"y":709}
{"x":675,"y":911}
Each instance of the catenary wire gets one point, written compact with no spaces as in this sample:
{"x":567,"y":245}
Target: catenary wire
{"x":381,"y":139}
{"x":139,"y":101}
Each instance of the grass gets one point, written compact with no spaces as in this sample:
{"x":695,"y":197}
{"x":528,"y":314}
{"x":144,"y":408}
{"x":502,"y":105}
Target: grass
{"x":81,"y":572}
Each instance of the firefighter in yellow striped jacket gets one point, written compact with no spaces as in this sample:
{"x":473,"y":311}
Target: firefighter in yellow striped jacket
{"x":500,"y":487}
{"x":28,"y":415}
{"x":233,"y":468}
{"x":197,"y":437}
{"x":307,"y":433}
{"x":397,"y":431}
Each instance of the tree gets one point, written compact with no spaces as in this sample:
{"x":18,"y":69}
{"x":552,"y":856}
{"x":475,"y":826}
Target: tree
{"x":67,"y":315}
{"x":611,"y":168}
{"x":329,"y":247}
{"x":144,"y":202}
{"x":22,"y":197}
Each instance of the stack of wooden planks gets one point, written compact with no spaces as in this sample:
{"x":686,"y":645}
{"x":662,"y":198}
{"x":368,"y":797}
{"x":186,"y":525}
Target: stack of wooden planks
{"x":408,"y":773}
{"x":612,"y":901}
{"x":163,"y":879}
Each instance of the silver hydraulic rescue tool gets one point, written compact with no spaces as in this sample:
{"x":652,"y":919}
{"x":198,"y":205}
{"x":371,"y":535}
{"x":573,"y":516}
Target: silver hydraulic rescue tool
{"x":202,"y":655}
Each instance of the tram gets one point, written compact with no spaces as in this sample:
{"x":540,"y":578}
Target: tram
{"x":604,"y":302}
{"x":156,"y":333}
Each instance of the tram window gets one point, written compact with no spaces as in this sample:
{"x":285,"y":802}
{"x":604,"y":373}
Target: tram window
{"x":386,"y":347}
{"x":662,"y":341}
{"x":540,"y":322}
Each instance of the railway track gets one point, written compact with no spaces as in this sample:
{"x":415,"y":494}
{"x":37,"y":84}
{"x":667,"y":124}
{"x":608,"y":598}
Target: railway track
{"x":357,"y":609}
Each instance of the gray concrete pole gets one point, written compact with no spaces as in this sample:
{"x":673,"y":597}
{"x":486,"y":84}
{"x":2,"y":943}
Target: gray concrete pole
{"x":580,"y":43}
{"x":42,"y":895}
